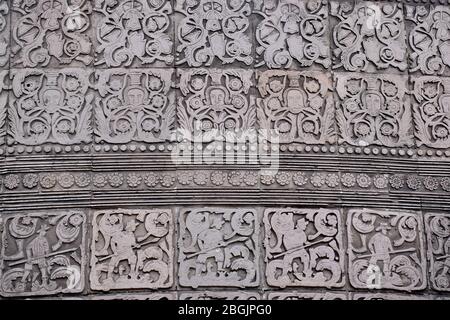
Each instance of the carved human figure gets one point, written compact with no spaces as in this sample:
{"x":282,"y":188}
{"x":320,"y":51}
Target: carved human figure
{"x":380,"y":246}
{"x":36,"y":252}
{"x":209,"y":241}
{"x":295,"y":243}
{"x":446,"y":258}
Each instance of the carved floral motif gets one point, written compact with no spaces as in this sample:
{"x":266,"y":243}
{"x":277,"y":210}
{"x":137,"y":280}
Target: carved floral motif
{"x":4,"y":33}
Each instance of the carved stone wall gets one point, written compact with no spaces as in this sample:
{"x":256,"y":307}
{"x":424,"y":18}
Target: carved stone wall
{"x":103,"y":101}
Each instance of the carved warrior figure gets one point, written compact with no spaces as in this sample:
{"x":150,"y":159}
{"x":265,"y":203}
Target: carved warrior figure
{"x":296,"y":106}
{"x":43,"y":254}
{"x":368,"y":36}
{"x":43,"y":31}
{"x":134,"y":30}
{"x":131,"y":249}
{"x":303,"y":248}
{"x":214,"y":29}
{"x":50,"y":107}
{"x":293,"y":31}
{"x":373,"y":110}
{"x":438,"y":238}
{"x":431,"y":108}
{"x":218,"y":247}
{"x":389,"y":242}
{"x":134,"y":105}
{"x":429,"y":39}
{"x":215,"y":104}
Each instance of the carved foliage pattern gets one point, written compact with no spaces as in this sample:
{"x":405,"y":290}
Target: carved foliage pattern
{"x":4,"y":33}
{"x":219,"y":247}
{"x":304,"y":248}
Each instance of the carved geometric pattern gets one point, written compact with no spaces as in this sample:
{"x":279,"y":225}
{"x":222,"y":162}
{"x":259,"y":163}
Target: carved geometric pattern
{"x":215,"y":103}
{"x":369,"y":36}
{"x":293,"y":33}
{"x":4,"y":33}
{"x":133,"y":30}
{"x":212,"y":295}
{"x":213,"y":30}
{"x":298,"y":105}
{"x":429,"y":39}
{"x":373,"y":110}
{"x":438,"y":254}
{"x":43,"y":253}
{"x":51,"y":32}
{"x":50,"y":106}
{"x":386,"y":250}
{"x":134,"y":105}
{"x":132,"y":249}
{"x":306,"y":296}
{"x":431,"y":108}
{"x":218,"y":247}
{"x":304,"y":247}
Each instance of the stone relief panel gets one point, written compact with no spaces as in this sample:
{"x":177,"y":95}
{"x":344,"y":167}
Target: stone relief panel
{"x":139,"y":297}
{"x":429,"y":39}
{"x":43,"y":253}
{"x":438,"y":254}
{"x":296,"y":106}
{"x":4,"y":75}
{"x":53,"y":33}
{"x":304,"y":248}
{"x":134,"y":105}
{"x":431,"y":107}
{"x":219,"y":295}
{"x":292,"y":34}
{"x":214,"y":31}
{"x":215,"y":103}
{"x":373,"y":110}
{"x":132,"y":249}
{"x":134,"y":33}
{"x":368,"y":36}
{"x":50,"y":107}
{"x":306,"y":296}
{"x":386,"y":250}
{"x":218,"y":247}
{"x":4,"y":34}
{"x":386,"y":296}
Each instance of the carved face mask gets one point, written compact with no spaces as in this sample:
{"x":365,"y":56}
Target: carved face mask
{"x":135,"y":97}
{"x":213,"y":15}
{"x":52,"y":99}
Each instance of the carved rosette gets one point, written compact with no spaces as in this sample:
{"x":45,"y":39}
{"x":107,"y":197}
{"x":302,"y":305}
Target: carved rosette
{"x":296,"y":107}
{"x":373,"y":110}
{"x":132,"y":249}
{"x":43,"y":253}
{"x":218,"y":247}
{"x":51,"y":32}
{"x":432,"y":111}
{"x":50,"y":107}
{"x":386,"y":250}
{"x":438,"y":254}
{"x":215,"y":103}
{"x":429,"y":39}
{"x":369,"y":36}
{"x":134,"y":105}
{"x":293,"y":33}
{"x":304,"y":248}
{"x":133,"y":32}
{"x":214,"y":30}
{"x":4,"y":33}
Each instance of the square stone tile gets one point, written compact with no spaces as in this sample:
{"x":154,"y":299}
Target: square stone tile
{"x":214,"y":33}
{"x":368,"y":36}
{"x":218,"y":247}
{"x":50,"y":110}
{"x":386,"y":250}
{"x":292,"y":34}
{"x":132,"y":249}
{"x":437,"y":226}
{"x":431,"y":108}
{"x":5,"y":31}
{"x":53,"y":33}
{"x":304,"y":248}
{"x":294,"y":295}
{"x":134,"y":107}
{"x":373,"y":110}
{"x":215,"y":104}
{"x":134,"y":33}
{"x":428,"y":39}
{"x":296,"y":107}
{"x":43,"y":253}
{"x":219,"y":295}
